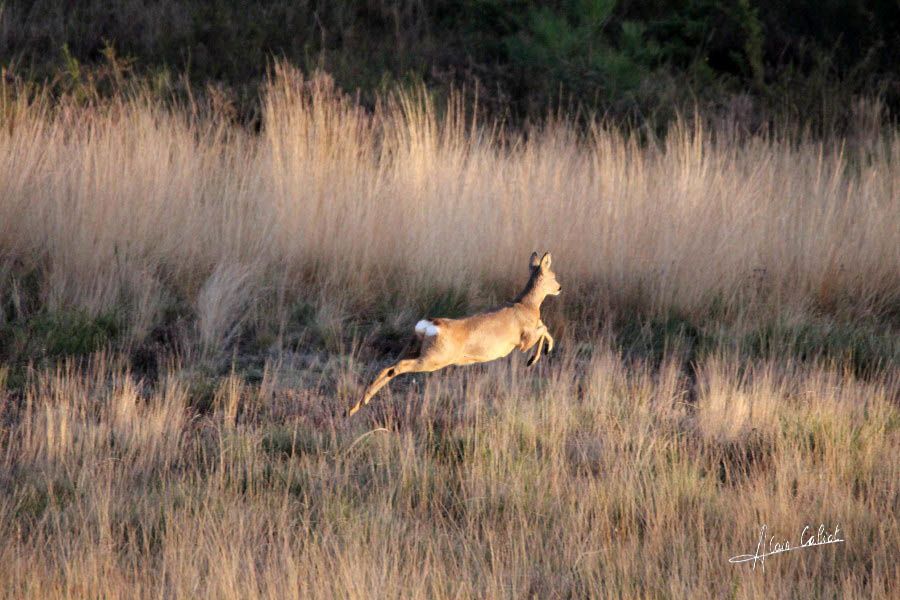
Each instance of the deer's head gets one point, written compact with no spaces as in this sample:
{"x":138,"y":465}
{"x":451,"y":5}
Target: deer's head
{"x":542,"y":278}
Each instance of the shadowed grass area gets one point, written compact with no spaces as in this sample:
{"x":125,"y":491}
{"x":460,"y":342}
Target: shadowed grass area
{"x":64,"y":333}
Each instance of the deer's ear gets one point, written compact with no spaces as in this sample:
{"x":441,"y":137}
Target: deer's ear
{"x":534,"y":261}
{"x":545,"y":262}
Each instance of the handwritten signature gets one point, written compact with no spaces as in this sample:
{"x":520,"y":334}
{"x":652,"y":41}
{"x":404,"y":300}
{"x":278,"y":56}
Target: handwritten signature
{"x":769,"y":547}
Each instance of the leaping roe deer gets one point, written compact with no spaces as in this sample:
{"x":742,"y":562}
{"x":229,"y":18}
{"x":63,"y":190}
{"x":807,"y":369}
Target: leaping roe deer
{"x":483,"y":337}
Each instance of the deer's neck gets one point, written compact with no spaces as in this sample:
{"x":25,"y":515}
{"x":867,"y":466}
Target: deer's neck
{"x":531,"y":298}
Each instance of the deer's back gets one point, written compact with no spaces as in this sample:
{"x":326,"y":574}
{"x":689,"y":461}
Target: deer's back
{"x":481,"y":337}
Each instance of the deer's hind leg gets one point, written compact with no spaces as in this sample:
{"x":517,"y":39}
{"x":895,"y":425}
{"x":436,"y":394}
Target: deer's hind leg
{"x":421,"y":364}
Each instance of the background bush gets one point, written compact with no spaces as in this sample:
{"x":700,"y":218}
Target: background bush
{"x":804,"y":60}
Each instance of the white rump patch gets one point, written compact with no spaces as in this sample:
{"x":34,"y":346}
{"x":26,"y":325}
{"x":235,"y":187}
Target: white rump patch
{"x":427,"y":328}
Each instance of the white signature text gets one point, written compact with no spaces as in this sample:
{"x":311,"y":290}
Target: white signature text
{"x":769,"y":546}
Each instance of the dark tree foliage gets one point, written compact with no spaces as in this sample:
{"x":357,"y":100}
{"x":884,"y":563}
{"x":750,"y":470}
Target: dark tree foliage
{"x":624,"y":58}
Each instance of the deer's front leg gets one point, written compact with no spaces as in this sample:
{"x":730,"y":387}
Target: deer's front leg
{"x":537,"y":353}
{"x":549,"y":339}
{"x":542,"y":336}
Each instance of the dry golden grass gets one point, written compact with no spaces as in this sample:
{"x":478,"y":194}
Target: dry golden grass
{"x":727,"y":262}
{"x":130,"y":206}
{"x":592,"y":480}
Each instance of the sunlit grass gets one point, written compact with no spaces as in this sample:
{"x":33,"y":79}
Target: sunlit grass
{"x":158,"y":215}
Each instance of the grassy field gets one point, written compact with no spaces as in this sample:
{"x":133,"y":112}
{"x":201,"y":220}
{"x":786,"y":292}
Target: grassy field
{"x":187,"y":306}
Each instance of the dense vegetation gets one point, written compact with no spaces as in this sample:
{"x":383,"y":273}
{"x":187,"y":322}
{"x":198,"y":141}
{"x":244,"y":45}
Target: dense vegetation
{"x":761,"y":59}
